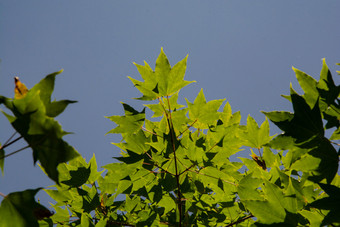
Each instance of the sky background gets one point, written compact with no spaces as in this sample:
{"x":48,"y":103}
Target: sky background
{"x":239,"y":50}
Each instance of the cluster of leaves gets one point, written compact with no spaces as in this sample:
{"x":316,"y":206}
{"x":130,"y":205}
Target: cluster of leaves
{"x":33,"y":118}
{"x":176,"y":168}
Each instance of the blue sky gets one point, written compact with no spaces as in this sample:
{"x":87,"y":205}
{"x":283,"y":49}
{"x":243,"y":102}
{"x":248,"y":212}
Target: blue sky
{"x":239,"y":50}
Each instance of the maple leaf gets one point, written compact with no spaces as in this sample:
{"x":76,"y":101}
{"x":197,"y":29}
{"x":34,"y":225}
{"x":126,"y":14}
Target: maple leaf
{"x":206,"y":113}
{"x":164,"y":81}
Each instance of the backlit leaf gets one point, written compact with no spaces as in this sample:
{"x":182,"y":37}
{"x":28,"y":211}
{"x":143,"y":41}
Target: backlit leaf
{"x":164,"y":81}
{"x":130,"y":123}
{"x":205,"y":113}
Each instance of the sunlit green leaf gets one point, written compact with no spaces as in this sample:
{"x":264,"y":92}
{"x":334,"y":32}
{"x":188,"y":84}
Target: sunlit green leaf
{"x":130,"y":123}
{"x":41,"y":131}
{"x":308,"y":84}
{"x":256,"y":136}
{"x":205,"y":113}
{"x":164,"y":81}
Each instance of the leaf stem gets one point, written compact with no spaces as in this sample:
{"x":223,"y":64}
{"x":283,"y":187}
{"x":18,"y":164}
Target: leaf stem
{"x":229,"y":182}
{"x":2,"y":194}
{"x":187,"y":128}
{"x":240,"y":220}
{"x":335,"y":143}
{"x":14,"y":152}
{"x":144,"y":129}
{"x":260,"y":152}
{"x":157,"y":164}
{"x":10,"y":138}
{"x":9,"y":143}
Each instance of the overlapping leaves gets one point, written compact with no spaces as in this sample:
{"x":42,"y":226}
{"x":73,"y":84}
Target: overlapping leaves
{"x":21,"y":209}
{"x":178,"y":171}
{"x":305,"y":126}
{"x":34,"y":120}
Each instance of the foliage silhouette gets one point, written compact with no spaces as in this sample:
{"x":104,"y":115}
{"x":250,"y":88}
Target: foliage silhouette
{"x":175,"y":168}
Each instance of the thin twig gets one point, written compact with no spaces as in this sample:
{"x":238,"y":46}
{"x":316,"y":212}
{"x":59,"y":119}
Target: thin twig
{"x":203,"y":174}
{"x":14,"y":152}
{"x":213,"y":146}
{"x":240,"y":220}
{"x":2,"y":194}
{"x":172,"y":134}
{"x":259,"y":152}
{"x":187,"y":128}
{"x":157,"y":164}
{"x":187,"y":169}
{"x":8,"y":144}
{"x":9,"y":138}
{"x":335,"y":143}
{"x":150,"y":131}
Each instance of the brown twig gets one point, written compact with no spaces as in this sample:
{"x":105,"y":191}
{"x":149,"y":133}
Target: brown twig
{"x":203,"y":174}
{"x":172,"y":134}
{"x":187,"y":128}
{"x":150,"y":131}
{"x":240,"y":220}
{"x":158,"y":166}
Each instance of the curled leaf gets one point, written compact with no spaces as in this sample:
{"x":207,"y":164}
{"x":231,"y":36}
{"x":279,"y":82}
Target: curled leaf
{"x":20,"y":89}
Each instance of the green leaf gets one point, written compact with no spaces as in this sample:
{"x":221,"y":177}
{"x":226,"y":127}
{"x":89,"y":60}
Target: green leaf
{"x":45,"y":89}
{"x":293,"y":197}
{"x":164,"y":81}
{"x":168,"y":203}
{"x":61,"y":195}
{"x":130,"y":123}
{"x":306,"y":129}
{"x":137,"y":143}
{"x":255,"y":136}
{"x":280,"y":118}
{"x":321,"y":162}
{"x":329,"y":203}
{"x":314,"y":217}
{"x":55,"y":108}
{"x":165,"y":105}
{"x":328,"y":91}
{"x":228,"y":118}
{"x":266,"y":202}
{"x":307,"y":122}
{"x":205,"y":113}
{"x":41,"y":131}
{"x":78,"y":177}
{"x":90,"y":199}
{"x":21,"y":210}
{"x":94,"y":175}
{"x":102,"y":223}
{"x":269,"y":157}
{"x":247,"y":188}
{"x":61,"y":215}
{"x":86,"y":220}
{"x":308,"y":84}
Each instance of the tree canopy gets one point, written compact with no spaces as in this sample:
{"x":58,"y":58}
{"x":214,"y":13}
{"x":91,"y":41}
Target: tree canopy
{"x":175,"y":168}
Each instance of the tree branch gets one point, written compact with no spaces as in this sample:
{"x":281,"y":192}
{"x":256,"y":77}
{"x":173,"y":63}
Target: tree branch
{"x":173,"y":136}
{"x":9,"y":143}
{"x":240,"y":220}
{"x":14,"y":152}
